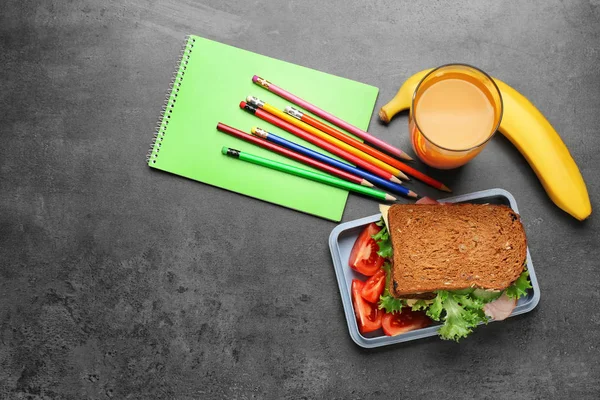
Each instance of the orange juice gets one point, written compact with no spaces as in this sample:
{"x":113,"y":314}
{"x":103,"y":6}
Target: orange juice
{"x":456,"y":109}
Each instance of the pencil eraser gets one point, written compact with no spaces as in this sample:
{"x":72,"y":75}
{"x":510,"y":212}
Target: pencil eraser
{"x":224,"y":150}
{"x":253,"y":129}
{"x":242,"y":104}
{"x":254,"y":78}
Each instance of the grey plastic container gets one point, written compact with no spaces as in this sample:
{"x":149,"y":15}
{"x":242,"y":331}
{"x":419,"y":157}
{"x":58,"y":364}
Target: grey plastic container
{"x":342,"y":239}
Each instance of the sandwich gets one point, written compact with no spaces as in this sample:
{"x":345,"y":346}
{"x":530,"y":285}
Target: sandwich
{"x":463,"y":264}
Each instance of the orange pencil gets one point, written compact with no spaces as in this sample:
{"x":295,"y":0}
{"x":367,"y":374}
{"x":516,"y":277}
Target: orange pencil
{"x":316,"y":132}
{"x":364,"y":147}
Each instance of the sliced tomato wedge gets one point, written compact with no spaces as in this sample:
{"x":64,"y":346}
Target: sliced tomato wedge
{"x":396,"y":323}
{"x":364,"y":257}
{"x":368,"y":315}
{"x":374,"y":287}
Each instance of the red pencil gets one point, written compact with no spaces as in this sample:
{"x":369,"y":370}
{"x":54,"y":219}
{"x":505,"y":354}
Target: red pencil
{"x":318,"y":141}
{"x":292,"y":154}
{"x":366,"y":148}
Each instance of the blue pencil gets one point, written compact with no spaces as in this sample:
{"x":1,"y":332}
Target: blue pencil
{"x":374,"y":179}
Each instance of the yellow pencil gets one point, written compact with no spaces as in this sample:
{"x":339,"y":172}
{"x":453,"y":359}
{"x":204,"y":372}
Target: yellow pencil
{"x":322,"y":135}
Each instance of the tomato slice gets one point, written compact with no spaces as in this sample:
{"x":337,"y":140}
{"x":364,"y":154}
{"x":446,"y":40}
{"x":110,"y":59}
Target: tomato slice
{"x":374,"y":287}
{"x":364,"y":257}
{"x":396,"y":323}
{"x":368,"y":315}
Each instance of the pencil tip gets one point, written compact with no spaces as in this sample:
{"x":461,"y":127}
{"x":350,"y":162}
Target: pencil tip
{"x":445,"y":188}
{"x":412,"y":194}
{"x":365,"y":182}
{"x":395,"y":180}
{"x":406,"y":157}
{"x":403,"y":176}
{"x":389,"y":197}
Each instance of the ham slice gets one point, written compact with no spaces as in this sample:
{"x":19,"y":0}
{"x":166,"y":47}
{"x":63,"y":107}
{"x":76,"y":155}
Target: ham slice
{"x":500,"y":308}
{"x":426,"y":200}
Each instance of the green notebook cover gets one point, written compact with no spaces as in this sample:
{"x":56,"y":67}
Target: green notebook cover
{"x":209,"y":84}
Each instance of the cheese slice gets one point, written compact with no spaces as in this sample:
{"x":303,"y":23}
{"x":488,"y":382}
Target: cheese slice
{"x":383,"y":208}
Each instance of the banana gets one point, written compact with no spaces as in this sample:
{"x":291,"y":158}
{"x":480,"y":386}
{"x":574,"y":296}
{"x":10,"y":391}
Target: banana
{"x":531,"y":133}
{"x":403,"y":98}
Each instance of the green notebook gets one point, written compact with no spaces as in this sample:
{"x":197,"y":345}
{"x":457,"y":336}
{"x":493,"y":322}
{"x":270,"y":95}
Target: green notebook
{"x":208,"y":86}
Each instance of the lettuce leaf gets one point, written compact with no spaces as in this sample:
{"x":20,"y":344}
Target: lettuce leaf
{"x":388,"y":302}
{"x":387,"y":267}
{"x":435,"y":309}
{"x":420,"y":305}
{"x":520,"y":286}
{"x":382,"y":238}
{"x":459,"y":314}
{"x":486,"y":295}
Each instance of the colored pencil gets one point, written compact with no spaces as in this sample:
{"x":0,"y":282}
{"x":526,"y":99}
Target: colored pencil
{"x":336,"y":142}
{"x":315,"y":123}
{"x":381,"y":183}
{"x":317,"y":141}
{"x":330,"y":117}
{"x":304,"y":173}
{"x":276,"y":148}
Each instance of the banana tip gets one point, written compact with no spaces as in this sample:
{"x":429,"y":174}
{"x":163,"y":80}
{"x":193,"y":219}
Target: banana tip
{"x":383,"y":116}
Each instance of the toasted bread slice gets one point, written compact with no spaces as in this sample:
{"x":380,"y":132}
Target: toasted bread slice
{"x":452,"y":247}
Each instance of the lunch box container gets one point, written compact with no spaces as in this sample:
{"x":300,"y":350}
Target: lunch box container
{"x":342,"y":239}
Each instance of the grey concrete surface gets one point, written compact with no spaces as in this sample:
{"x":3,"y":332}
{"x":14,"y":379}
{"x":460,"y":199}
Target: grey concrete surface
{"x":117,"y":281}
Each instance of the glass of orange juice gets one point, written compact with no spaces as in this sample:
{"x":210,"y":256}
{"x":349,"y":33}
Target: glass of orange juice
{"x":455,"y":111}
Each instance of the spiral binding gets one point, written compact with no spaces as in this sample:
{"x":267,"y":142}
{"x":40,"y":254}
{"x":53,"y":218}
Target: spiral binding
{"x":170,"y":99}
